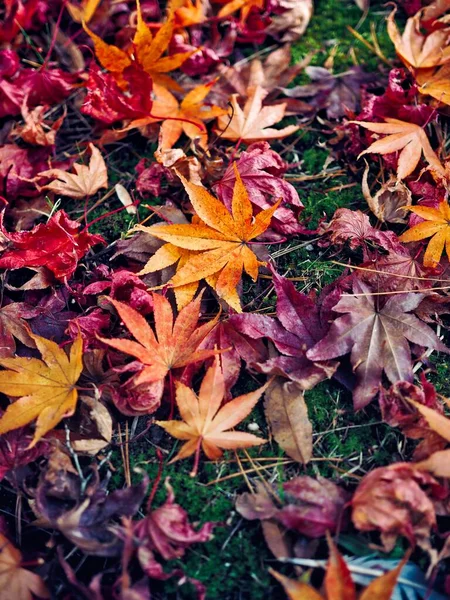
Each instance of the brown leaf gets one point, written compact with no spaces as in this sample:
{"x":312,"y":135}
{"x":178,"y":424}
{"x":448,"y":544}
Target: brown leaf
{"x":389,"y":201}
{"x":438,"y":464}
{"x":287,"y":413}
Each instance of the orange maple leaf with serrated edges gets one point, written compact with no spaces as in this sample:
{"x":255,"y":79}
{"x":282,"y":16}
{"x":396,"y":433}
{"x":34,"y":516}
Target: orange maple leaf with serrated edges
{"x":409,"y":138}
{"x":217,"y":244}
{"x":147,"y":51}
{"x":46,"y":388}
{"x":175,"y":344}
{"x":205,"y":424}
{"x":435,"y":226}
{"x":184,"y":117}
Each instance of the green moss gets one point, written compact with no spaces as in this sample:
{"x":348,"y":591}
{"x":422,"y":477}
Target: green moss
{"x":320,"y":203}
{"x":327,"y":32}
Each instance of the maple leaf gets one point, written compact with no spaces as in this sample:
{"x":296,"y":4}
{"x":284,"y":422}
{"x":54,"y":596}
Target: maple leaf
{"x":245,"y":6}
{"x":435,"y":83}
{"x":16,"y":582}
{"x":86,"y":180}
{"x":377,"y":339}
{"x":436,"y":225}
{"x":205,"y":424}
{"x":252,"y":123}
{"x":36,"y":129}
{"x":338,"y":582}
{"x":46,"y":388}
{"x":416,"y":49}
{"x":187,"y":117}
{"x":147,"y":51}
{"x":218,"y":244}
{"x":83,"y":12}
{"x":190,"y":13}
{"x":410,"y":138}
{"x":58,"y":245}
{"x":175,"y":344}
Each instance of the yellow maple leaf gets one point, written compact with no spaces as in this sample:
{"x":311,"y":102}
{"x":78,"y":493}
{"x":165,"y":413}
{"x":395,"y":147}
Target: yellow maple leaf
{"x":218,"y":244}
{"x":435,"y":83}
{"x":435,"y":226}
{"x":147,"y":50}
{"x":205,"y":424}
{"x":46,"y":388}
{"x":409,"y":138}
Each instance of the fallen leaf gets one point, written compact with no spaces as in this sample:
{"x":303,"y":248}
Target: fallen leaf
{"x":100,"y":428}
{"x":438,"y":464}
{"x":377,"y":337}
{"x":175,"y":344}
{"x":83,"y":12}
{"x":252,"y":124}
{"x":86,"y":181}
{"x":296,"y":590}
{"x":187,"y":116}
{"x":147,"y":50}
{"x":291,"y":19}
{"x":56,"y":245}
{"x":205,"y":424}
{"x":338,"y":579}
{"x":46,"y":388}
{"x":217,"y":246}
{"x":287,"y":414}
{"x":192,"y":12}
{"x":16,"y":582}
{"x":409,"y":138}
{"x":437,"y":421}
{"x":389,"y":202}
{"x":436,"y":226}
{"x":435,"y":83}
{"x":397,"y":500}
{"x":37,"y":130}
{"x":416,"y":49}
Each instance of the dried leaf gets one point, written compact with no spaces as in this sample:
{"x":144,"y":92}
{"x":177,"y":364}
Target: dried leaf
{"x":286,"y":411}
{"x":409,"y":138}
{"x":86,"y":181}
{"x":16,"y":582}
{"x":252,"y":124}
{"x":46,"y":388}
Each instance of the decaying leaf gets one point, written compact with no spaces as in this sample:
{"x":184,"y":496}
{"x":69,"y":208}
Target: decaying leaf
{"x":253,"y":122}
{"x":15,"y":581}
{"x":287,"y":414}
{"x":389,"y":202}
{"x":46,"y":388}
{"x":205,"y":424}
{"x":86,"y":181}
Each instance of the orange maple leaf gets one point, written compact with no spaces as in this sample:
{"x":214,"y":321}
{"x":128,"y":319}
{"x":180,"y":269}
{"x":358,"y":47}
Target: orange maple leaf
{"x":175,"y":344}
{"x":435,"y":83}
{"x":251,"y":124}
{"x":16,"y":582}
{"x":435,"y":226}
{"x":338,"y":582}
{"x":187,"y":117}
{"x":147,"y":50}
{"x":46,"y":388}
{"x":205,"y":424}
{"x":245,"y":6}
{"x":416,"y":49}
{"x":190,"y":13}
{"x":410,"y":138}
{"x":217,"y":244}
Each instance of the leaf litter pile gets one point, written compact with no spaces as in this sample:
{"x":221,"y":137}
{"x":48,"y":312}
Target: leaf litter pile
{"x":225,"y":265}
